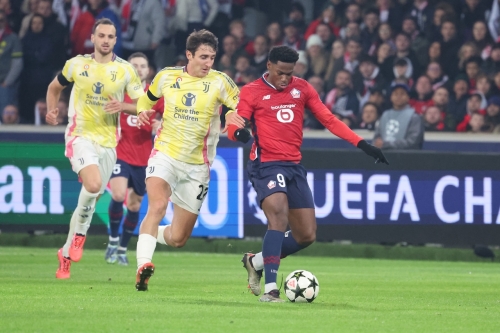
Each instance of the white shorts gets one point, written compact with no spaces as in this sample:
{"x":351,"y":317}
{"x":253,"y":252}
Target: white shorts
{"x":83,"y":152}
{"x":188,"y":182}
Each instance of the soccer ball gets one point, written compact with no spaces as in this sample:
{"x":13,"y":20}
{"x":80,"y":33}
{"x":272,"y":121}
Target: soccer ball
{"x":301,"y":286}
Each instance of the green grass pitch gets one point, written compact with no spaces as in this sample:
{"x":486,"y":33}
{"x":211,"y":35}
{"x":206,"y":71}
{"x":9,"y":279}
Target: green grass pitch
{"x":196,"y":292}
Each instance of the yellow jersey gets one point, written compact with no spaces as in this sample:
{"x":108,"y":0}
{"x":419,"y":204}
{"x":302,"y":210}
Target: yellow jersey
{"x":94,"y":83}
{"x":191,"y":120}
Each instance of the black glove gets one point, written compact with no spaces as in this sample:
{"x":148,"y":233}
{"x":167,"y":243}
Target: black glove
{"x":242,"y":135}
{"x":372,"y":151}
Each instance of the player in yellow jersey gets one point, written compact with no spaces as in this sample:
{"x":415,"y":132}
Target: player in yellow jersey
{"x":99,"y":84}
{"x":184,"y":149}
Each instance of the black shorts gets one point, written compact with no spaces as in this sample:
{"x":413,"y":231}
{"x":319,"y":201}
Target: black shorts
{"x":136,"y":176}
{"x":291,"y":178}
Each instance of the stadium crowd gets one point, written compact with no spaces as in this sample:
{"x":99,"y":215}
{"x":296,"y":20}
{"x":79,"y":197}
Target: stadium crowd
{"x":444,"y":54}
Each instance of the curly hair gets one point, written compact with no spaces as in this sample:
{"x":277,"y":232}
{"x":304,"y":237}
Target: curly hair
{"x":283,"y":54}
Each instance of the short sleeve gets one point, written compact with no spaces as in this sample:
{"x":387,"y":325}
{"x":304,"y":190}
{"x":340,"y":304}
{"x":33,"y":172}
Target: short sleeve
{"x":244,"y":107}
{"x":134,"y":86}
{"x":229,"y":93}
{"x":68,"y":70}
{"x":156,"y":85}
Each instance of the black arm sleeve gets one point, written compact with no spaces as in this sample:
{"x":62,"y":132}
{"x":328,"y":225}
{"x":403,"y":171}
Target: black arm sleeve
{"x":152,"y":97}
{"x":62,"y":80}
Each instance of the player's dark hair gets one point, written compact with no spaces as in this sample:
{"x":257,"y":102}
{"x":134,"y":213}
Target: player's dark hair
{"x":138,"y":55}
{"x":284,"y":54}
{"x":104,"y":21}
{"x":197,"y":38}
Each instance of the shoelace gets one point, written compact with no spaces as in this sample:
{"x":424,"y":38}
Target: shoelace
{"x":79,"y":241}
{"x":66,"y":264}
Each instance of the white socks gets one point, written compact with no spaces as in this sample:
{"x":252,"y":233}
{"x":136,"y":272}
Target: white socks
{"x":270,"y":286}
{"x":84,"y":210}
{"x":145,"y":248}
{"x":160,"y":238}
{"x":258,"y":261}
{"x":72,"y":224}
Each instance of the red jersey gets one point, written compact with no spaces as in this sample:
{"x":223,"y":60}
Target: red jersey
{"x":277,"y":118}
{"x":135,"y":143}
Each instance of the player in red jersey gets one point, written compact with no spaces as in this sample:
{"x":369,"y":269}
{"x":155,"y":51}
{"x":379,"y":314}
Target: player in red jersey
{"x":129,"y":172}
{"x":274,"y":104}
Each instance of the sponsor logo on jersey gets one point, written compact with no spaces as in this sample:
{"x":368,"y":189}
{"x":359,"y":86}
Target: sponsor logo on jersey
{"x":84,"y":73}
{"x":266,"y":97}
{"x":207,"y":87}
{"x":113,"y":76}
{"x":295,"y":93}
{"x":97,"y":88}
{"x":271,"y":184}
{"x":176,"y":85}
{"x":189,"y":99}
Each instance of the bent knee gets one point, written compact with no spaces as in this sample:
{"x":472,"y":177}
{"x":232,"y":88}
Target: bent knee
{"x":118,"y":197}
{"x":158,"y":207}
{"x":93,"y":187}
{"x":178,"y":243}
{"x":306,"y":239}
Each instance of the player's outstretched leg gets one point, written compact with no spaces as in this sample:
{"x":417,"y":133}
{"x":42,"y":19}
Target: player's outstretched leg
{"x":115,"y":211}
{"x":64,"y":266}
{"x":129,"y":225}
{"x":254,"y":275}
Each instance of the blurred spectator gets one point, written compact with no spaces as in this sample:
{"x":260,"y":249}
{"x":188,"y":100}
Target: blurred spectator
{"x":422,"y":11}
{"x":62,"y":116}
{"x":338,"y":51}
{"x":472,"y":67}
{"x":11,"y":63}
{"x":433,"y":54}
{"x":352,"y":14}
{"x":483,"y":85}
{"x":442,"y":11}
{"x":229,"y":55}
{"x":260,"y":50}
{"x":369,"y":33}
{"x":324,"y":31}
{"x":317,"y":56}
{"x":377,"y":97}
{"x":390,"y":12}
{"x":191,"y":15}
{"x":384,"y":51}
{"x":369,"y":116}
{"x":274,"y":34}
{"x":57,"y":32}
{"x":475,"y":104}
{"x":370,"y":77}
{"x":296,"y":15}
{"x":242,"y":66}
{"x":492,"y":63}
{"x":457,"y":106}
{"x":37,"y":68}
{"x":243,"y":42}
{"x":40,"y":111}
{"x":352,"y":31}
{"x":435,"y":73}
{"x":467,"y":51}
{"x":342,"y":100}
{"x":384,"y":34}
{"x":495,"y":89}
{"x":421,"y":97}
{"x":399,"y":127}
{"x":31,"y":6}
{"x":13,"y":15}
{"x":10,"y":115}
{"x":403,"y":72}
{"x":433,"y":119}
{"x":482,"y":39}
{"x":493,"y":114}
{"x":441,"y":98}
{"x":328,"y":17}
{"x":450,"y":44}
{"x":292,"y":37}
{"x":301,"y":68}
{"x":310,"y":122}
{"x":476,"y":123}
{"x":143,"y":26}
{"x":403,"y":50}
{"x":349,"y":61}
{"x":472,"y":11}
{"x":418,"y":43}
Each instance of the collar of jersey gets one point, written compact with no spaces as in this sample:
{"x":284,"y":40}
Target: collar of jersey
{"x":267,"y":82}
{"x":112,"y":59}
